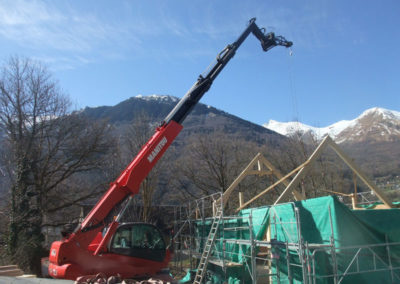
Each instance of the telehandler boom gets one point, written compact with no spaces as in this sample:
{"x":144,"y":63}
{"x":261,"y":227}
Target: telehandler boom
{"x":115,"y":248}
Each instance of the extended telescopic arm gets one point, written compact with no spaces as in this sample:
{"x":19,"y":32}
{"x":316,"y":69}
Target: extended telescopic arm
{"x":186,"y":104}
{"x":130,"y":179}
{"x":73,"y":255}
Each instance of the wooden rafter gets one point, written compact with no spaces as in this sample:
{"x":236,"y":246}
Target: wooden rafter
{"x":283,"y":179}
{"x":258,"y":166}
{"x":329,"y":142}
{"x":303,"y":169}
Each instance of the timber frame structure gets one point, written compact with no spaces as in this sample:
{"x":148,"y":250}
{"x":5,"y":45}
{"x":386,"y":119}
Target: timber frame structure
{"x":260,"y":162}
{"x":258,"y":166}
{"x":273,"y":258}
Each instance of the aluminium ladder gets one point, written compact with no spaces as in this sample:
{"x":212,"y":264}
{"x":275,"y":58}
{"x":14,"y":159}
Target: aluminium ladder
{"x":201,"y":269}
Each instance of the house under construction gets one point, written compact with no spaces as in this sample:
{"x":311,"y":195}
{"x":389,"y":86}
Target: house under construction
{"x":318,"y":240}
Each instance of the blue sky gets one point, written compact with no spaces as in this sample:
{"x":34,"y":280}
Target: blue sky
{"x":345,"y":56}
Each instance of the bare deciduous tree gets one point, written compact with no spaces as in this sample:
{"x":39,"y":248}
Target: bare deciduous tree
{"x":49,"y":150}
{"x":211,"y":162}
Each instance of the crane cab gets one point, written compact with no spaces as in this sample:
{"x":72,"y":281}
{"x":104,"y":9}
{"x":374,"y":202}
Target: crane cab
{"x":141,"y":240}
{"x":134,"y":250}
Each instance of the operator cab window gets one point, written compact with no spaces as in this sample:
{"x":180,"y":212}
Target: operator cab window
{"x":122,"y":238}
{"x":139,"y":240}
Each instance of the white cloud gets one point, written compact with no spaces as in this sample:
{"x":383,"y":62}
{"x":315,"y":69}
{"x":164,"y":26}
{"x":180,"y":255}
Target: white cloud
{"x":14,"y":13}
{"x":41,"y":25}
{"x":43,"y":28}
{"x":62,"y":29}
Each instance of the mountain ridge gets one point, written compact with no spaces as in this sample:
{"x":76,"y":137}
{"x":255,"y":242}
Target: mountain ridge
{"x":374,"y":124}
{"x":378,"y":156}
{"x":202,"y":117}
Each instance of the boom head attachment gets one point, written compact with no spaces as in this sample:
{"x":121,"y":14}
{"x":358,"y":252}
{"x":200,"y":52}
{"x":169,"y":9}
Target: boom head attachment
{"x":268,"y":40}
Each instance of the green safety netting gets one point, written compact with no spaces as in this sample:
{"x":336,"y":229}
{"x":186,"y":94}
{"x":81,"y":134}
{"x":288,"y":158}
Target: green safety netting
{"x":353,"y":234}
{"x":234,"y":252}
{"x":320,"y":219}
{"x":231,"y":252}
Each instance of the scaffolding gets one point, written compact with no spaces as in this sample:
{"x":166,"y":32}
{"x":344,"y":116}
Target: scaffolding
{"x":266,"y":258}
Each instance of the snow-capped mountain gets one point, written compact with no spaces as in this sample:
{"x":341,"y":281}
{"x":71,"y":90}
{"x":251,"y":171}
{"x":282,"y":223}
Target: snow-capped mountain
{"x":375,"y":124}
{"x":160,"y":98}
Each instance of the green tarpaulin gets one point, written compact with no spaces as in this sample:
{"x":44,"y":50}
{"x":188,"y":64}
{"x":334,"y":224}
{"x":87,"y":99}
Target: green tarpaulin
{"x":359,"y":236}
{"x":349,"y":228}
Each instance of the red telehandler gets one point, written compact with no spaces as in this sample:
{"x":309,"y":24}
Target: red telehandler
{"x":137,"y":249}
